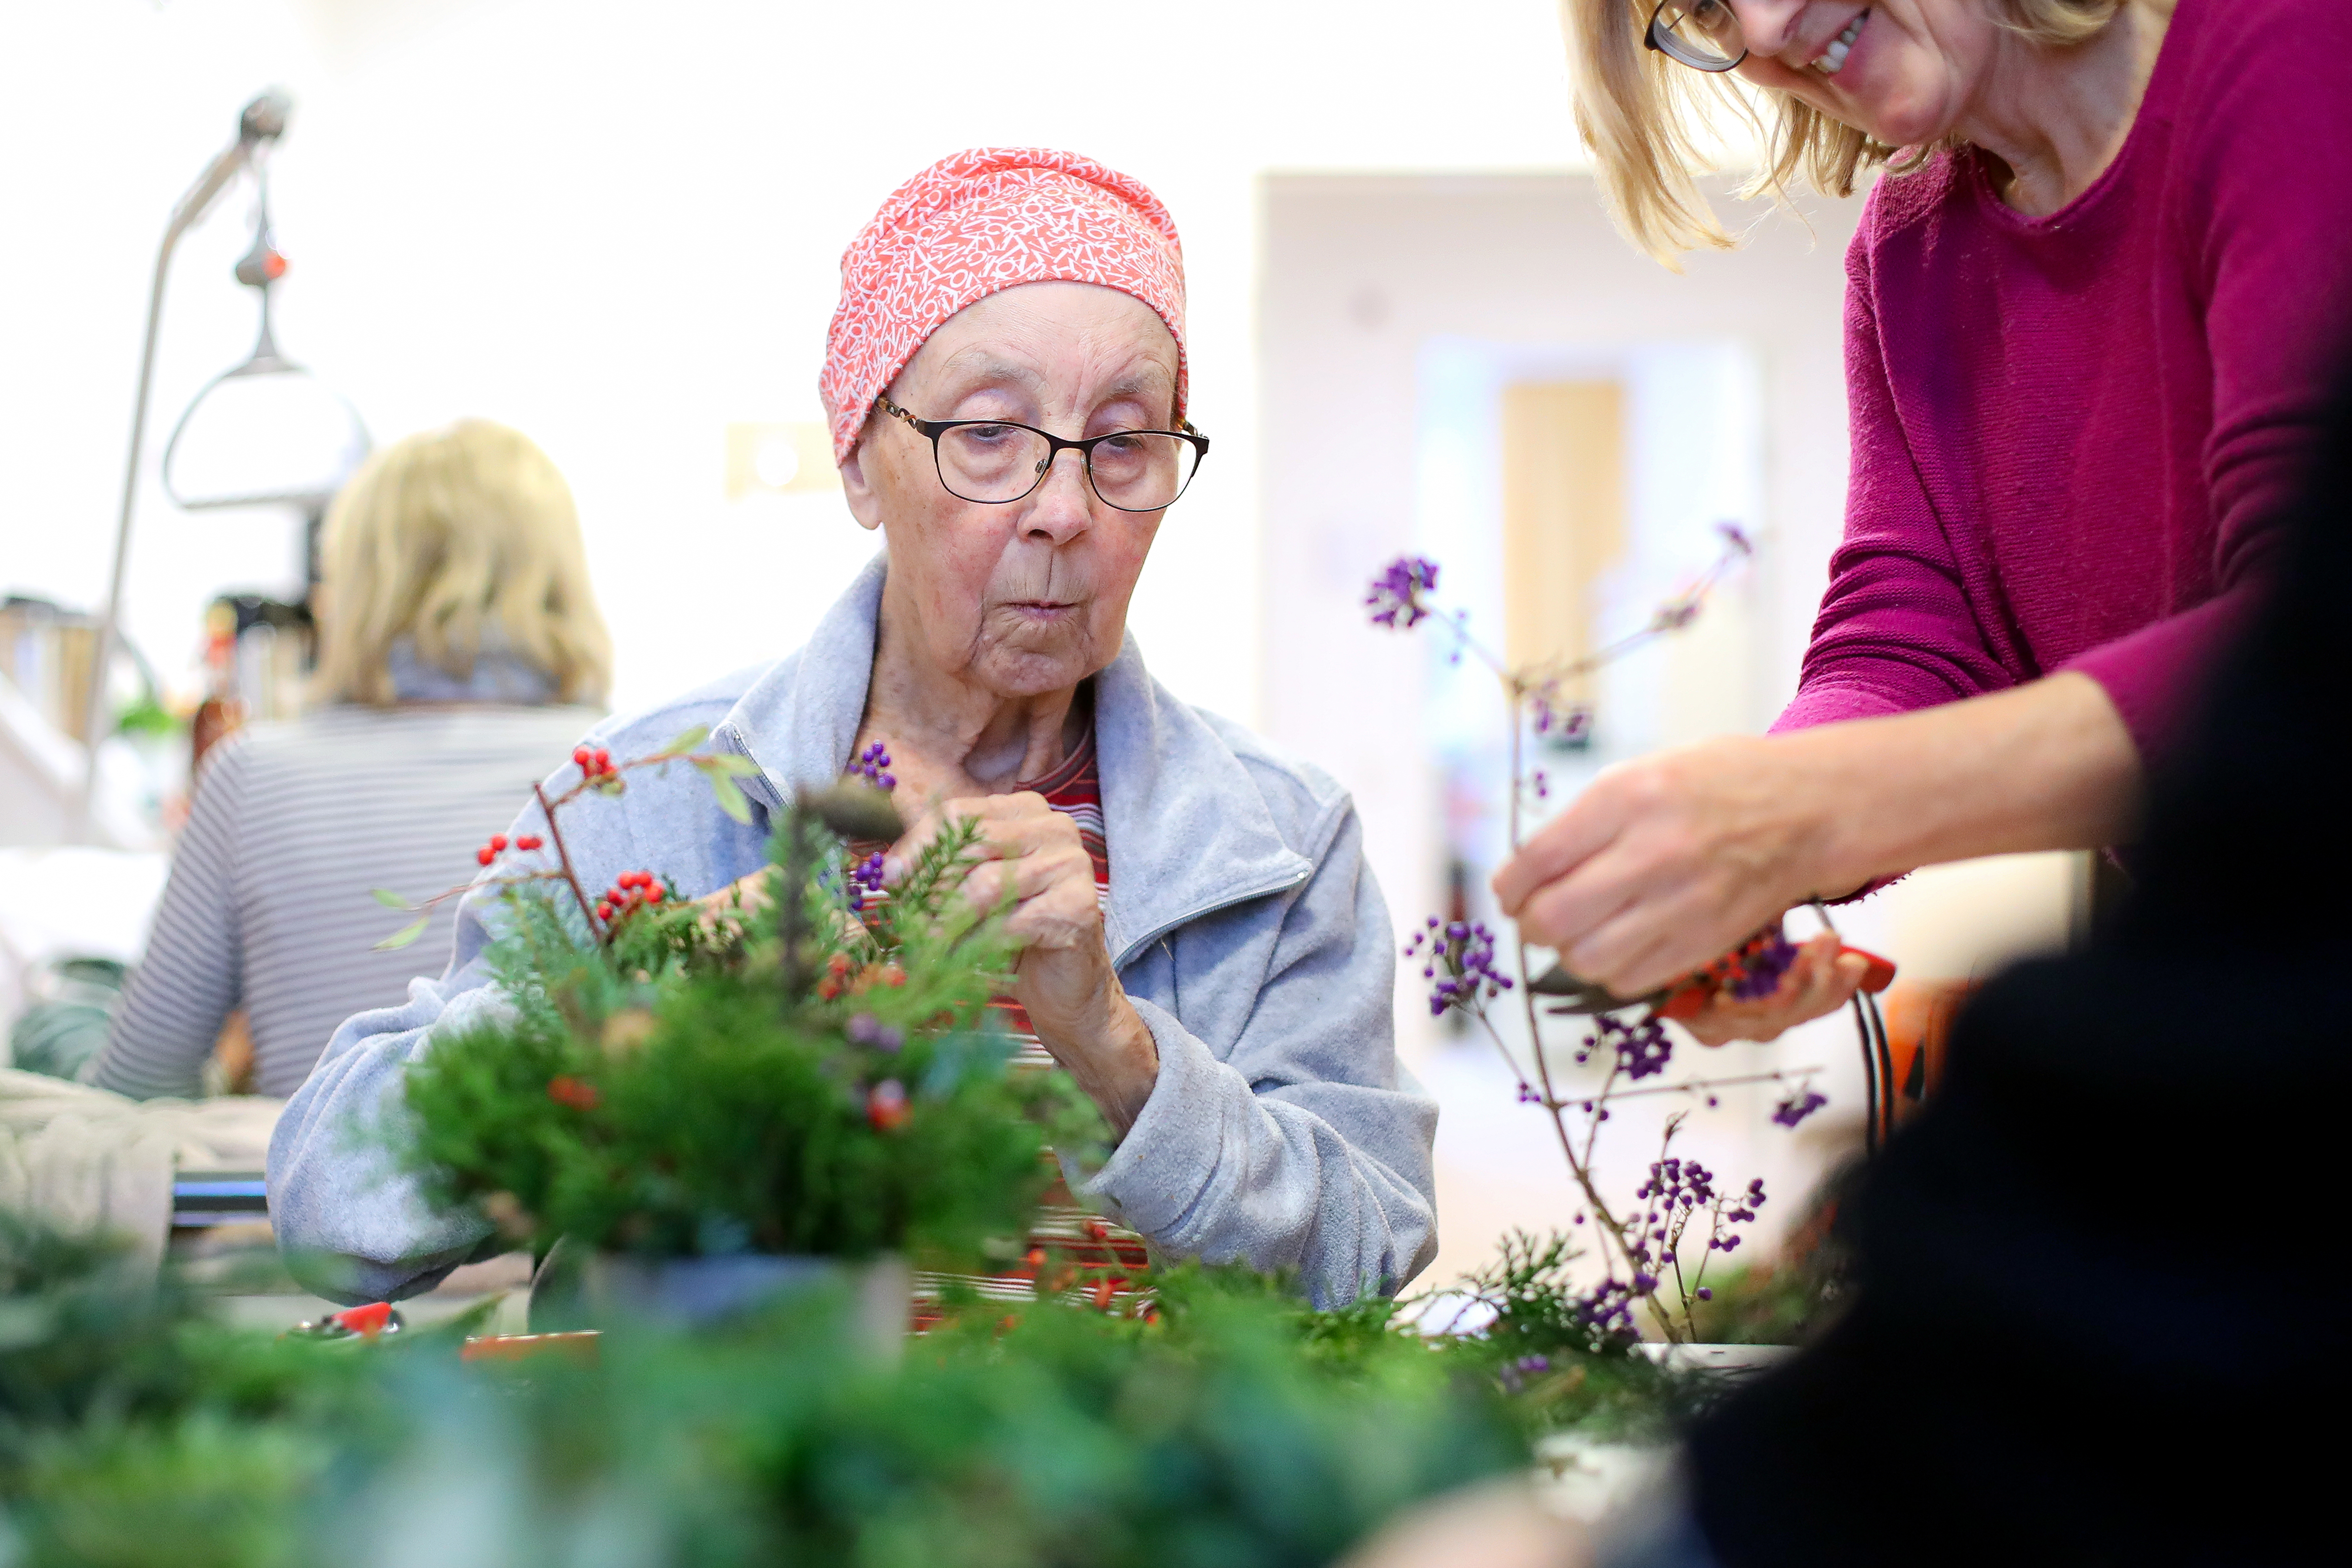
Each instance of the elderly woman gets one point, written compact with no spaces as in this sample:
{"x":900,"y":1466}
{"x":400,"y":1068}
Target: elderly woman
{"x":460,"y":649}
{"x":2094,"y":311}
{"x":1206,"y":951}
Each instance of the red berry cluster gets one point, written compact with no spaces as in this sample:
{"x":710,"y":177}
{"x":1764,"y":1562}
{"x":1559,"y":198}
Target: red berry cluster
{"x":885,"y":1106}
{"x":843,"y":975}
{"x":576,"y":1093}
{"x":594,"y":763}
{"x":498,"y":845}
{"x":629,"y":891}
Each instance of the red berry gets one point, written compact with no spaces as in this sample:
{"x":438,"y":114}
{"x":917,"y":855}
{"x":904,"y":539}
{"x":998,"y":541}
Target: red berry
{"x":565,"y":1089}
{"x":484,"y":855}
{"x":886,"y":1107}
{"x":604,"y":760}
{"x":580,"y":756}
{"x":529,"y":841}
{"x":498,"y":841}
{"x":653,"y":894}
{"x":603,"y":912}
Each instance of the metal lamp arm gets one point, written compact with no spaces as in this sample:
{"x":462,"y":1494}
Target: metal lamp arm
{"x":263,"y":122}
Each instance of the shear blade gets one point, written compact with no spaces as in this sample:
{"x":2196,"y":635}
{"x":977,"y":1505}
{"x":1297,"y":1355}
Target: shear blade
{"x":1578,"y":996}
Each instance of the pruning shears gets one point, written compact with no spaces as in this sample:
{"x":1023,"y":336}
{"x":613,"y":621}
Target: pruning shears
{"x":1687,"y":996}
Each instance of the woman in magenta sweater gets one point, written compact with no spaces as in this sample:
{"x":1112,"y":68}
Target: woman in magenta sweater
{"x":2092,"y":314}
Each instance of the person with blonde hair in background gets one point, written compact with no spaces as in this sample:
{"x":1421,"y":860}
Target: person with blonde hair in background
{"x":461,"y":654}
{"x":2093,"y":312}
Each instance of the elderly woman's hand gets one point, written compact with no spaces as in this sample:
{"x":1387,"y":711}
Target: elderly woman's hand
{"x":1033,"y":859}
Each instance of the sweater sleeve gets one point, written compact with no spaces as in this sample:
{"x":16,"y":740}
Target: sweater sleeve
{"x":192,"y":975}
{"x":2269,"y":246}
{"x":355,"y":1223}
{"x":1304,"y":1146}
{"x":1895,"y":632}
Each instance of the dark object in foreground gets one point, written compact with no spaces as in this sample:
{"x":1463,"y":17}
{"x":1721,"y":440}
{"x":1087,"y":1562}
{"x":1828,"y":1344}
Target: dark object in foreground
{"x":2048,"y":1358}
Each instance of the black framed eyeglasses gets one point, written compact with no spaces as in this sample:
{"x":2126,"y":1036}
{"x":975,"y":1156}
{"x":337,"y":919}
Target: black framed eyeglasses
{"x":993,"y":462}
{"x":1704,"y":34}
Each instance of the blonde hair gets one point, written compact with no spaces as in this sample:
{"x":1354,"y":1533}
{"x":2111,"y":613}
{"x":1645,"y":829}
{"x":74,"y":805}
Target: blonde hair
{"x":1645,"y":115}
{"x":462,"y":539}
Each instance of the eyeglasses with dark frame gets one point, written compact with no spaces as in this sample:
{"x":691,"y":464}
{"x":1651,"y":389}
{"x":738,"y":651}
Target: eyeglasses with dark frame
{"x":996,"y":461}
{"x":1704,"y":34}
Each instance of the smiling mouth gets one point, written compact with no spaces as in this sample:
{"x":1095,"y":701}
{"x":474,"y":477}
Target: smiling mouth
{"x":1832,"y":59}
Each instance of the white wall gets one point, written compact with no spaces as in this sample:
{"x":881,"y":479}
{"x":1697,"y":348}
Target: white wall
{"x":617,"y":225}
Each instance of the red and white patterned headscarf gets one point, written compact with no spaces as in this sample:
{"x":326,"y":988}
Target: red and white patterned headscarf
{"x":970,"y":226}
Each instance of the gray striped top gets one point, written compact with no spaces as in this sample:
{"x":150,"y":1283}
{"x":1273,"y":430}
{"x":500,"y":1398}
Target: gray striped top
{"x":267,"y":907}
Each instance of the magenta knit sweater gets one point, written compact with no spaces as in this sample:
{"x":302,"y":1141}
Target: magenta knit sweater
{"x":2074,"y":435}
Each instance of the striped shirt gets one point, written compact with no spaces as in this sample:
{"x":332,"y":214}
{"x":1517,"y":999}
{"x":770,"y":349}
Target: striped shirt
{"x":1071,"y":1248}
{"x":269,"y":905}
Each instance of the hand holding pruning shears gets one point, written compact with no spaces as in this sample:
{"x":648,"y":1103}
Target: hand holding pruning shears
{"x":1752,"y":993}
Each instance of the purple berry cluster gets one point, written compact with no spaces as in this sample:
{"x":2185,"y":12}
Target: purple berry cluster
{"x":1798,"y":1104}
{"x":872,"y":765}
{"x":1460,"y":957}
{"x":867,"y":1030}
{"x":1605,"y":1312}
{"x":1395,"y":599}
{"x":1738,"y":1210}
{"x":1515,"y":1374}
{"x":1678,"y":1191}
{"x":1760,"y":970}
{"x":866,"y":878}
{"x":1570,"y":724}
{"x":1641,"y":1048}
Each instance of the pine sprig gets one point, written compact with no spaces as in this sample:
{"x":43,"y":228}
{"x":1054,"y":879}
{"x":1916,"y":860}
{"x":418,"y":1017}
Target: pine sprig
{"x":676,"y":1084}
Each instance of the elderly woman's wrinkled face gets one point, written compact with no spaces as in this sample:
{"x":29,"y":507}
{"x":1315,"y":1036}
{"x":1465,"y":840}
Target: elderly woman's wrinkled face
{"x":1904,"y":70}
{"x":1028,"y":596}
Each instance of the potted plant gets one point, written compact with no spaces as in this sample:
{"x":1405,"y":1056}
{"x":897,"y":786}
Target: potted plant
{"x":687,"y":1108}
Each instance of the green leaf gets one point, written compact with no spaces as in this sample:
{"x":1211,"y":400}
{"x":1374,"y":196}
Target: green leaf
{"x":404,"y":935}
{"x":742,"y":767}
{"x":729,"y":798}
{"x":389,"y":899}
{"x":687,"y":739}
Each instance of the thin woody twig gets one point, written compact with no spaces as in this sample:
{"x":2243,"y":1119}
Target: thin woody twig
{"x":555,"y":836}
{"x":1779,"y":1075}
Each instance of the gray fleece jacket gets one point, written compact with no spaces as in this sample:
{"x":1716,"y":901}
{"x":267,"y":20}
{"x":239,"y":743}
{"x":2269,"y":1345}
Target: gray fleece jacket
{"x":1245,"y":923}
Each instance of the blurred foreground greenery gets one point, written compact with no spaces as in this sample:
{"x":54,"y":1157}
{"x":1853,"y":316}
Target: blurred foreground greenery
{"x":1234,"y":1427}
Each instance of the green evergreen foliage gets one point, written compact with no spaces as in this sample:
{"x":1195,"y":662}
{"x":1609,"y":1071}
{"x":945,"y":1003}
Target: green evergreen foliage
{"x":1045,"y":1436}
{"x":808,"y":1081}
